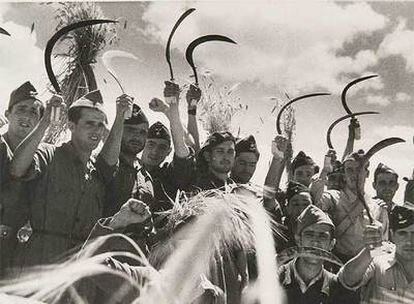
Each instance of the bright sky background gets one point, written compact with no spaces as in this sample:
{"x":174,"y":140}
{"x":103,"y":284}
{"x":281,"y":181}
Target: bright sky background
{"x":298,"y":47}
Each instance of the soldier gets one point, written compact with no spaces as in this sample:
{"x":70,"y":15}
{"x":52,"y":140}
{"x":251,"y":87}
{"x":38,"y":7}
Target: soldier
{"x":385,"y":278}
{"x":66,"y":185}
{"x":247,"y":156}
{"x":347,"y":211}
{"x":215,"y":161}
{"x":23,"y":113}
{"x":386,"y":185}
{"x":304,"y":278}
{"x":170,"y":177}
{"x":121,"y":187}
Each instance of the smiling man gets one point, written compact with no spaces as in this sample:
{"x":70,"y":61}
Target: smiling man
{"x":386,"y":185}
{"x":247,"y":156}
{"x":65,"y":184}
{"x":215,"y":161}
{"x":23,"y":114}
{"x":121,"y":187}
{"x":304,"y":278}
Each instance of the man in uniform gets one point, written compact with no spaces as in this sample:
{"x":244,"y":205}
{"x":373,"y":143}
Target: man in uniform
{"x":120,"y":188}
{"x":247,"y":156}
{"x":65,"y":184}
{"x":23,"y":113}
{"x":304,"y":278}
{"x":347,"y":210}
{"x":385,"y":278}
{"x":215,"y":161}
{"x":386,"y":185}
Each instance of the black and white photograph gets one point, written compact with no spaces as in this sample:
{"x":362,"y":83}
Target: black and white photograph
{"x":207,"y":152}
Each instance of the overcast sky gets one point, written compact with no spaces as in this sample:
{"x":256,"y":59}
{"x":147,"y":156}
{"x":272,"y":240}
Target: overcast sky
{"x":297,"y":47}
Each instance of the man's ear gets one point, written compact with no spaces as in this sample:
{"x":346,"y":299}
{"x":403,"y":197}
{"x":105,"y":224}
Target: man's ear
{"x":374,"y":185}
{"x":207,"y":156}
{"x":7,"y":114}
{"x":332,"y":245}
{"x":71,"y":125}
{"x":297,"y":239}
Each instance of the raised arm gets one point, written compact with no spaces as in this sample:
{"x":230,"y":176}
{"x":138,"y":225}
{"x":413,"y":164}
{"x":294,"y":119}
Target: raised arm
{"x":277,"y":165}
{"x":353,"y":128}
{"x":112,"y":147}
{"x":23,"y":156}
{"x":193,"y":97}
{"x":356,"y":271}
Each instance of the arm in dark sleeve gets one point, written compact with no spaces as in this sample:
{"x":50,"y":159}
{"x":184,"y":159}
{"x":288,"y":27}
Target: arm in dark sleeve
{"x":105,"y":171}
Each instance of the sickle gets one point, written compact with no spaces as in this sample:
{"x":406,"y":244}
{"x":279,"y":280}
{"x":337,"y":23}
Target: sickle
{"x":190,"y":49}
{"x":348,"y":86}
{"x":376,"y":148}
{"x":4,"y":32}
{"x":328,"y":134}
{"x":279,"y":115}
{"x":167,"y":49}
{"x":52,"y":41}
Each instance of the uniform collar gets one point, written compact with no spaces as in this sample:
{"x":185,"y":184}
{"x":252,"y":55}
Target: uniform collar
{"x":293,"y":275}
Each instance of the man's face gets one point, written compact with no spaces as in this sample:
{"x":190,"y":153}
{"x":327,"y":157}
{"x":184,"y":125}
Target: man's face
{"x":89,"y":129}
{"x":23,"y":117}
{"x":244,"y":167}
{"x":404,"y":243}
{"x":303,"y":174}
{"x":221,"y":157}
{"x":155,"y":151}
{"x":133,"y":138}
{"x":386,"y":185}
{"x":352,"y":170}
{"x":297,"y":204}
{"x":316,"y":235}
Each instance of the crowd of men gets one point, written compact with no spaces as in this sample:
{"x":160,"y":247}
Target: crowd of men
{"x":64,"y":191}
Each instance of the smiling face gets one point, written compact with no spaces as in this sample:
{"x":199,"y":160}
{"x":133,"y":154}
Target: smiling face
{"x":23,"y":117}
{"x":155,"y":151}
{"x":133,"y":138}
{"x":316,"y":235}
{"x":353,"y":175}
{"x":404,"y":243}
{"x":303,"y":174}
{"x":221,"y":157}
{"x":386,"y":185}
{"x":244,"y":167}
{"x":88,"y":131}
{"x":297,"y":204}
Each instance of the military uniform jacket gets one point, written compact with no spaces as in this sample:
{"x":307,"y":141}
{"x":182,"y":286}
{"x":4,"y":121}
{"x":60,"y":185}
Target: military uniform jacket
{"x":66,"y":199}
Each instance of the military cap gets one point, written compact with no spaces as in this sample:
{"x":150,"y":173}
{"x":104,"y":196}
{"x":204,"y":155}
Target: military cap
{"x":302,"y":160}
{"x":92,"y":100}
{"x":295,"y":188}
{"x":381,"y":168}
{"x":137,"y":116}
{"x":24,"y":92}
{"x":159,"y":131}
{"x":401,"y":217}
{"x":310,"y":216}
{"x":247,"y":144}
{"x":217,"y":138}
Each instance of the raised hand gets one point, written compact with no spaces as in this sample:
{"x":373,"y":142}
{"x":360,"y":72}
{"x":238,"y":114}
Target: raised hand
{"x":132,"y":212}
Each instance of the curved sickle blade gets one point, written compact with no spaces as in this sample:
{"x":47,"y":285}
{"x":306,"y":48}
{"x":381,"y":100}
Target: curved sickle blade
{"x":190,"y":49}
{"x":381,"y":145}
{"x":348,"y":86}
{"x":328,"y":134}
{"x":279,"y":115}
{"x":4,"y":32}
{"x":107,"y":58}
{"x":52,"y":41}
{"x":167,"y":49}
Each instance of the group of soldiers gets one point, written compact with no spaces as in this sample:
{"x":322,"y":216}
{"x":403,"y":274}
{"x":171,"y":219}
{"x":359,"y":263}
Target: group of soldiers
{"x":66,"y":191}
